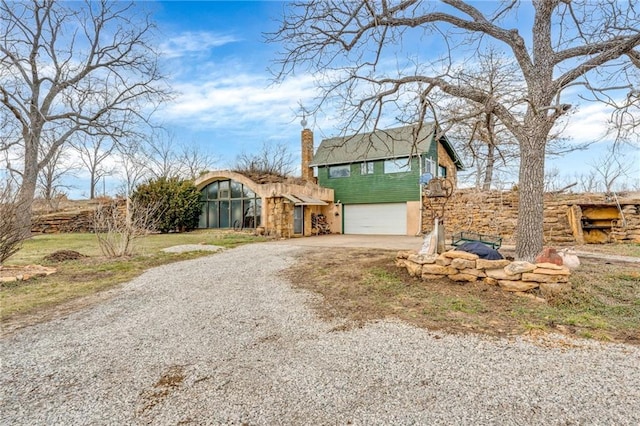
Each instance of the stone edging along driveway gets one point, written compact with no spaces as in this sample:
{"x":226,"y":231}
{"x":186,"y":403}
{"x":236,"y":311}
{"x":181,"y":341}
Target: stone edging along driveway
{"x":224,"y":339}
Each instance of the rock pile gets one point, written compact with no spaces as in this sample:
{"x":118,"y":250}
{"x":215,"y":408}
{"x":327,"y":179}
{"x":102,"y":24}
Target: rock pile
{"x":552,"y":279}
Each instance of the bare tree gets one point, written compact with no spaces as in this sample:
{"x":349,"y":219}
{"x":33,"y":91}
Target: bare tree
{"x":50,"y":179}
{"x":584,"y":44}
{"x":194,"y":161}
{"x":73,"y":67}
{"x":611,"y":168}
{"x":133,"y":166}
{"x":119,"y":223}
{"x":274,"y":159}
{"x":94,"y":151}
{"x":11,"y":234}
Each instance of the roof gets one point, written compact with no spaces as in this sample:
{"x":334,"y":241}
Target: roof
{"x":398,"y":142}
{"x":303,"y":200}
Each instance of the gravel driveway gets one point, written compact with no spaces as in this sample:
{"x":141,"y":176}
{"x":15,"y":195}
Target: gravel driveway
{"x":224,"y":340}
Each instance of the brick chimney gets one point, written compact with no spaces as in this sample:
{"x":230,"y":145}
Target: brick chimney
{"x":307,"y":154}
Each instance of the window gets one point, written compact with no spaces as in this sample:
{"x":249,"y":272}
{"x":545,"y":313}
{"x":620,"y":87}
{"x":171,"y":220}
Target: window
{"x":399,"y":165}
{"x":227,"y":203}
{"x":340,"y":171}
{"x":442,"y":171}
{"x":366,"y":168}
{"x":429,"y":166}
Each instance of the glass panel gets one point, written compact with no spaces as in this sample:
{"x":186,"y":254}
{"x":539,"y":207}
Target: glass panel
{"x":203,"y":215}
{"x":340,"y":171}
{"x":298,"y":220}
{"x":213,"y":191}
{"x":224,"y":215}
{"x":442,"y":171}
{"x":258,"y":211}
{"x":399,"y":165}
{"x":236,"y":213}
{"x":223,"y":193}
{"x":429,"y":166}
{"x":213,"y":215}
{"x":248,"y":193}
{"x":203,"y":194}
{"x":249,"y":214}
{"x":366,"y":168}
{"x":236,"y":189}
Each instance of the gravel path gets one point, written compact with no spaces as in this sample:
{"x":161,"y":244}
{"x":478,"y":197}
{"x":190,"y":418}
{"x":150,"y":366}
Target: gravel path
{"x":224,"y":340}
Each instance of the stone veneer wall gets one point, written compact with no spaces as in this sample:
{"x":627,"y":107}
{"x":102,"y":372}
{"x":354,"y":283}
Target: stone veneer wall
{"x":461,"y":266}
{"x":496,"y":213}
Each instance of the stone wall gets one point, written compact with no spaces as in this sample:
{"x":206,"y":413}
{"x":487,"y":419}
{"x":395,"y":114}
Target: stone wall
{"x":496,"y":213}
{"x":551,"y":279}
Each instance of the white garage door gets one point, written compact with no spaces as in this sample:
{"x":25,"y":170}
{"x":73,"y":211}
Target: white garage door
{"x":376,"y":219}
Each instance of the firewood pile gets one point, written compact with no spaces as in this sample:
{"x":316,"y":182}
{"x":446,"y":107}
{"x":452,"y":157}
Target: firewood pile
{"x":319,"y":224}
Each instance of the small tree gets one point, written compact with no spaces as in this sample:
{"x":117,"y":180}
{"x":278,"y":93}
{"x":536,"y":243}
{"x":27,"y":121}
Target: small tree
{"x":177,"y":201}
{"x":11,"y":233}
{"x":117,"y":224}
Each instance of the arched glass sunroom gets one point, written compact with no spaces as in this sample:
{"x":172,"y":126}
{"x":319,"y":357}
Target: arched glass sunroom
{"x":229,"y":204}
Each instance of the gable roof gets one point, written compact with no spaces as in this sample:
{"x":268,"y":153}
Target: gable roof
{"x":392,"y":143}
{"x":379,"y":145}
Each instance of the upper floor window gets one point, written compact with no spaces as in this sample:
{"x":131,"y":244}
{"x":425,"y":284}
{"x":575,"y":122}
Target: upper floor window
{"x":366,"y":168}
{"x":340,"y":171}
{"x":442,"y":171}
{"x":429,"y":166}
{"x":398,"y":165}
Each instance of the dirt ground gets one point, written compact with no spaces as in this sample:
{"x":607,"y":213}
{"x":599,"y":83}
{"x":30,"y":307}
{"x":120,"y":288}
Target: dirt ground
{"x":360,"y":285}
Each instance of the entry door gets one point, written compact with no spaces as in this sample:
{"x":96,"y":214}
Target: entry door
{"x":298,"y":220}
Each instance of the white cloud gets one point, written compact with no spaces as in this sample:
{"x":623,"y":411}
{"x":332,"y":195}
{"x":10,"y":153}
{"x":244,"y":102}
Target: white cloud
{"x":189,"y":43}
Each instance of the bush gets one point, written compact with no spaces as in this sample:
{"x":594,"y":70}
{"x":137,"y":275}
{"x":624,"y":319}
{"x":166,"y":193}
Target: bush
{"x":176,"y":203}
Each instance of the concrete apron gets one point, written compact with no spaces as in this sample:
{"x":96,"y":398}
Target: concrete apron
{"x":388,"y":242}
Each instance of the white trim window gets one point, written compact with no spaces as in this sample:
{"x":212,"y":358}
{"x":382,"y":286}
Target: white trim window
{"x":366,"y":168}
{"x":340,"y":171}
{"x":398,"y":165}
{"x":429,"y":166}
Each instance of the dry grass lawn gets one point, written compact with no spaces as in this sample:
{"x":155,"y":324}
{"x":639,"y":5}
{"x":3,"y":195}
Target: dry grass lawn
{"x":361,"y":285}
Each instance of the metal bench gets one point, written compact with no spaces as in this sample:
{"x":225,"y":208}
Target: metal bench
{"x":492,"y":241}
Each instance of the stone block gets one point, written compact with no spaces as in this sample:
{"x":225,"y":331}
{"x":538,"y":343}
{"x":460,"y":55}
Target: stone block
{"x":443,"y":261}
{"x":423,"y":259}
{"x":549,"y":290}
{"x":491,"y":264}
{"x":547,"y":265}
{"x":404,"y":254}
{"x":518,"y":267}
{"x":438,"y":270}
{"x":511,"y":285}
{"x":414,"y":269}
{"x":564,"y":271}
{"x":432,"y":277}
{"x":490,"y":281}
{"x":400,"y":263}
{"x":473,"y":271}
{"x":463,"y":264}
{"x":463,"y":277}
{"x":455,"y":254}
{"x":542,"y":278}
{"x":500,"y":274}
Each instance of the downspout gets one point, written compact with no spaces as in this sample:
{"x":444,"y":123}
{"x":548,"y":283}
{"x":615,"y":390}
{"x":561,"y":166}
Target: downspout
{"x":419,"y":232}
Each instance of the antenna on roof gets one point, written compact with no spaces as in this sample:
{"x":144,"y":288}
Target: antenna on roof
{"x":303,"y":123}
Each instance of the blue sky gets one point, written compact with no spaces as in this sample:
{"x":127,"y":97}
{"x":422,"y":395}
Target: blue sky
{"x":217,"y":61}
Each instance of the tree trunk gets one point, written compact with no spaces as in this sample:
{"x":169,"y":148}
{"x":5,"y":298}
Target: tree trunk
{"x":488,"y":170}
{"x":28,"y":186}
{"x":92,"y":184}
{"x":530,"y":228}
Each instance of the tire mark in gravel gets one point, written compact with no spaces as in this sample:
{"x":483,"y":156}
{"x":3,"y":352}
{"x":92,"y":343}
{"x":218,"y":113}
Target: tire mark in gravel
{"x":170,"y":381}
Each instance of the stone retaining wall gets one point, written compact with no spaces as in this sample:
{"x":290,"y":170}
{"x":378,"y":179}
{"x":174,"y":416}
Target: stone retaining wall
{"x":496,"y":213}
{"x":461,"y":266}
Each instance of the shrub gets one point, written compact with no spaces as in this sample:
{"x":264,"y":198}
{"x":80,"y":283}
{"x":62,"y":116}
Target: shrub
{"x":176,"y":203}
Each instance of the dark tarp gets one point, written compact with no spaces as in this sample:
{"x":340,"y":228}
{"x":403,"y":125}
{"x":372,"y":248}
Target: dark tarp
{"x":482,"y":250}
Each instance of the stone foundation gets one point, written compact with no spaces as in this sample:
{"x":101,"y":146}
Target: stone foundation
{"x":460,"y":266}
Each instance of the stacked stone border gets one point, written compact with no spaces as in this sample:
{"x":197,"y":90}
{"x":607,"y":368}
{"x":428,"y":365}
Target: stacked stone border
{"x":513,"y":276}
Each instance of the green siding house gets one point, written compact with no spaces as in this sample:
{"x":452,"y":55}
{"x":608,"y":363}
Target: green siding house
{"x":376,"y":176}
